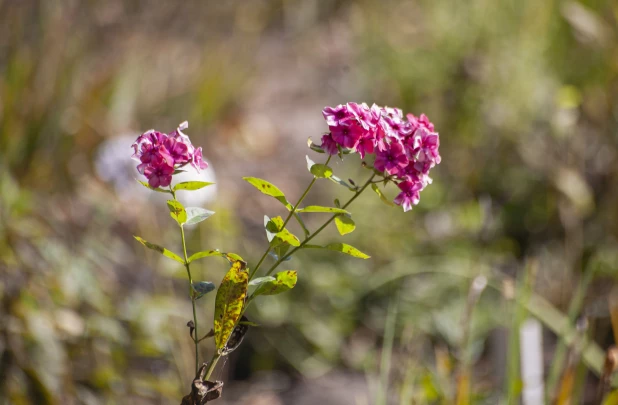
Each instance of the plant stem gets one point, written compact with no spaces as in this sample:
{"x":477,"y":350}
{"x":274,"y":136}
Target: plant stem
{"x":184,"y":251}
{"x":212,"y":364}
{"x":320,"y":229}
{"x":290,"y":215}
{"x":217,"y":356}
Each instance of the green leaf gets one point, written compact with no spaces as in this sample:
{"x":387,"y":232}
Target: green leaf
{"x":310,"y":163}
{"x":229,"y":302}
{"x":192,"y":185}
{"x":196,"y":215}
{"x":233,"y":257}
{"x":344,"y":224}
{"x":318,"y":208}
{"x":342,"y":248}
{"x":160,"y":190}
{"x":205,"y":253}
{"x":281,"y":250}
{"x":177,"y":211}
{"x":314,"y":147}
{"x":201,"y":288}
{"x":321,"y":170}
{"x":272,"y":227}
{"x":337,"y":180}
{"x":160,"y":249}
{"x":276,"y":234}
{"x":269,"y":189}
{"x":283,"y":281}
{"x":249,"y":323}
{"x":261,"y":280}
{"x":347,"y":249}
{"x":385,"y":200}
{"x":288,"y":237}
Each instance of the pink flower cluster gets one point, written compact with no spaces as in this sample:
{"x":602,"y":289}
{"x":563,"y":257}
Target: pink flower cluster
{"x":405,"y":148}
{"x":161,"y":154}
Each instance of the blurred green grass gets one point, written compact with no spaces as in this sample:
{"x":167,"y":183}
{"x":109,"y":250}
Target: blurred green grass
{"x":524,"y":95}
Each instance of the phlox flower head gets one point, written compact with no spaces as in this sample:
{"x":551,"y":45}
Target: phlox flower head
{"x":405,"y":148}
{"x":161,"y":154}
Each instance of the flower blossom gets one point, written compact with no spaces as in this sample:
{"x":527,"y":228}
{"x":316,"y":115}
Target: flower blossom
{"x":161,"y":154}
{"x":405,"y":148}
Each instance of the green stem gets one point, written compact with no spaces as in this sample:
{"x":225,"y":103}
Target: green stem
{"x":212,"y":364}
{"x":184,"y":251}
{"x":217,"y":356}
{"x":290,"y":215}
{"x":320,"y":229}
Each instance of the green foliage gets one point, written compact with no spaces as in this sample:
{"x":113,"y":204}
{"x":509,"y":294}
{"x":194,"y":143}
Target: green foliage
{"x":282,"y":282}
{"x":269,"y":189}
{"x":195,"y":215}
{"x":229,"y":302}
{"x":192,"y":185}
{"x":344,"y":224}
{"x":177,"y":211}
{"x":383,"y":198}
{"x":321,"y":171}
{"x":201,"y":288}
{"x":157,"y":189}
{"x":160,"y":249}
{"x":340,"y":182}
{"x":342,"y":248}
{"x":318,"y":208}
{"x":277,"y":235}
{"x":205,"y":253}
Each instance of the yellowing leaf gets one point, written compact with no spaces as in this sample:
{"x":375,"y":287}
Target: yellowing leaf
{"x":385,"y":200}
{"x":283,"y":281}
{"x":345,"y":224}
{"x":318,"y":208}
{"x":192,"y":185}
{"x":177,"y":211}
{"x":160,"y":249}
{"x":229,"y":302}
{"x":269,"y":189}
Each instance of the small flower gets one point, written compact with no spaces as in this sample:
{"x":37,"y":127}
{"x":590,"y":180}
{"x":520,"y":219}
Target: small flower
{"x":405,"y":149}
{"x":366,"y":144}
{"x":392,"y":159}
{"x":161,"y":154}
{"x":409,"y":196}
{"x":177,"y":150}
{"x":197,"y":160}
{"x":335,"y":116}
{"x":159,"y":173}
{"x":329,"y":145}
{"x":427,"y":144}
{"x":420,"y":122}
{"x":367,"y":117}
{"x":347,"y":135}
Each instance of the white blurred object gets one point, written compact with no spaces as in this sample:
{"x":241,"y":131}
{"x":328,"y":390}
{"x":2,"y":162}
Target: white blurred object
{"x":113,"y":164}
{"x":531,"y":352}
{"x":196,"y":198}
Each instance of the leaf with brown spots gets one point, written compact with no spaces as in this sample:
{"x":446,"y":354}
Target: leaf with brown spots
{"x":319,"y":208}
{"x":160,"y":249}
{"x":177,"y":211}
{"x":269,"y":189}
{"x":282,"y":282}
{"x":229,"y":302}
{"x":340,"y":247}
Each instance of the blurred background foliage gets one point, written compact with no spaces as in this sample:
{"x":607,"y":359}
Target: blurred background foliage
{"x":525,"y":97}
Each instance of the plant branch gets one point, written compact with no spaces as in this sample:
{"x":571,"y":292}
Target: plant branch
{"x":290,"y":215}
{"x":184,"y":251}
{"x":320,"y":229}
